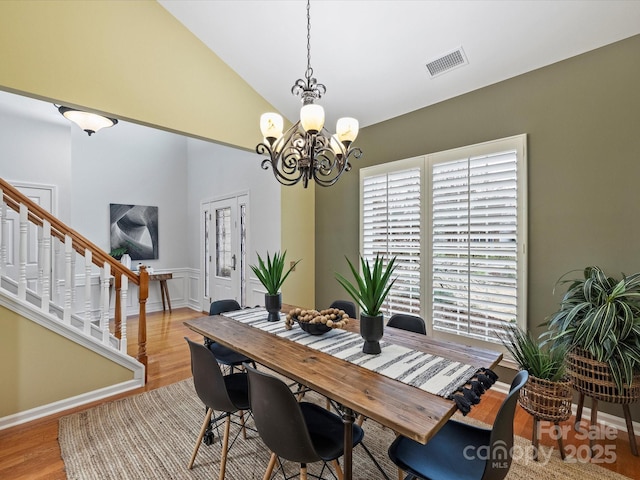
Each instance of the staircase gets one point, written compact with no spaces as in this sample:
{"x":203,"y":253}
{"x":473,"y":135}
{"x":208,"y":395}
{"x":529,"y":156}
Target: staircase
{"x":42,"y":259}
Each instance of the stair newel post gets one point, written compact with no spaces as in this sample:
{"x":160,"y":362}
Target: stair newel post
{"x":3,"y":234}
{"x":117,"y":323}
{"x":123,"y":314}
{"x":22,"y":253}
{"x":88,"y":259}
{"x":68,"y":272}
{"x":142,"y":322}
{"x":45,"y":262}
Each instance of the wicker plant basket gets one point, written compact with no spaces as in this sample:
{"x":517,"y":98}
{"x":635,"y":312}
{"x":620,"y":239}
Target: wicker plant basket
{"x":593,"y":379}
{"x":547,"y":400}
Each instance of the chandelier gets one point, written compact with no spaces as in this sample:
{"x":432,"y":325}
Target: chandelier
{"x":307,"y":150}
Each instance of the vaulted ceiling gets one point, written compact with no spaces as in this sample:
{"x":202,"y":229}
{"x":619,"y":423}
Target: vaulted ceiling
{"x":371,"y":55}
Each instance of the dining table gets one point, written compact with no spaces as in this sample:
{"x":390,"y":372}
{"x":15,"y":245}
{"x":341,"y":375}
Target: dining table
{"x":402,"y":407}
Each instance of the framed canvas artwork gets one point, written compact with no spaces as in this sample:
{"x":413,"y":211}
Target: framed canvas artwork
{"x":134,"y":227}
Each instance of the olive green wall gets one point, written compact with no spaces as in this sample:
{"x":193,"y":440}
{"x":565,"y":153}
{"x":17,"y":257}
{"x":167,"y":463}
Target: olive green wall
{"x":582,"y":117}
{"x":38,"y":366}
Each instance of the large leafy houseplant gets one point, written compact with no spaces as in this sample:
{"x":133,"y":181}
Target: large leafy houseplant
{"x":271,"y":273}
{"x":372,"y":286}
{"x":601,"y":316}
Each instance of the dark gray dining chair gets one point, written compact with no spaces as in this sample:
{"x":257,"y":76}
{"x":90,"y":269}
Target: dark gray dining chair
{"x":225,"y":355}
{"x":462,"y":451}
{"x":221,"y":393}
{"x":408,"y":322}
{"x":300,"y":432}
{"x":348,"y":307}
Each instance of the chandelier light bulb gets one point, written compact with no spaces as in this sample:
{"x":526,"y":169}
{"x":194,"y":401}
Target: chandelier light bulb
{"x":271,"y":125}
{"x":336,"y":146}
{"x":312,"y":118}
{"x":347,"y":129}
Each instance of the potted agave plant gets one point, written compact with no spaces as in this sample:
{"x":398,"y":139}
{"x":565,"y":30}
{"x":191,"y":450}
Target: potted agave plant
{"x":272,"y":275}
{"x":369,"y":292}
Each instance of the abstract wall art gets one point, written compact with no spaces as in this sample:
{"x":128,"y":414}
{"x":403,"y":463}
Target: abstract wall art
{"x":134,"y":227}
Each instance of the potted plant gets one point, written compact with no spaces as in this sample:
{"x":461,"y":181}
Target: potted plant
{"x":547,"y":395}
{"x":599,"y":321}
{"x":272,"y":275}
{"x":369,"y":292}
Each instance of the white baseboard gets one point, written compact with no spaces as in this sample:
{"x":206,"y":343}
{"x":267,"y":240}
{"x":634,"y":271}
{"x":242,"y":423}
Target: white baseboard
{"x":67,"y":403}
{"x":603,"y":417}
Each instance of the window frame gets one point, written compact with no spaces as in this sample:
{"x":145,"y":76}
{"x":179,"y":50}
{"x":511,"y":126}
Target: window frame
{"x":425,"y":163}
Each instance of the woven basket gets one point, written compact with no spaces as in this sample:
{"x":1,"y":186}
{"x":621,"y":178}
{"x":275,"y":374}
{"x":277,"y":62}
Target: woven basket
{"x":547,"y":400}
{"x":593,"y":378}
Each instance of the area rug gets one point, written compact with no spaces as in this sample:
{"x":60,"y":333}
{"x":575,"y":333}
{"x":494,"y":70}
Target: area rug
{"x":152,"y":435}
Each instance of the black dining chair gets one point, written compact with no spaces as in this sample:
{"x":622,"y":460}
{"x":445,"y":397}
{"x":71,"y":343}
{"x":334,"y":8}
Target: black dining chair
{"x":408,"y":322}
{"x":463,"y":451}
{"x":221,"y":393}
{"x":348,"y":307}
{"x":225,"y":355}
{"x":300,"y":432}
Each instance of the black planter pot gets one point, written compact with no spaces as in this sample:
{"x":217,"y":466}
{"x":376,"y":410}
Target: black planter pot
{"x":273,"y":304}
{"x":371,"y":330}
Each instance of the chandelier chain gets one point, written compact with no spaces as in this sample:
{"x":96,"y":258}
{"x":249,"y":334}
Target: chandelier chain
{"x":309,"y":69}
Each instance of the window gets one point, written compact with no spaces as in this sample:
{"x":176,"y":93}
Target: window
{"x":473,"y":251}
{"x":391,"y":226}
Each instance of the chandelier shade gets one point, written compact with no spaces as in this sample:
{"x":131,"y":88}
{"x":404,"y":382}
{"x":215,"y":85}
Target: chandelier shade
{"x":307,"y":151}
{"x":89,"y":122}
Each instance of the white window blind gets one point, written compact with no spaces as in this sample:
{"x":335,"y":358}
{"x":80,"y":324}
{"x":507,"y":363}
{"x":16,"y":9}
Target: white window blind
{"x":474,"y":244}
{"x":391,"y":220}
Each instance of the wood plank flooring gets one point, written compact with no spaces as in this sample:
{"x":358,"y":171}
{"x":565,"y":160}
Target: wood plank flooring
{"x":31,"y":451}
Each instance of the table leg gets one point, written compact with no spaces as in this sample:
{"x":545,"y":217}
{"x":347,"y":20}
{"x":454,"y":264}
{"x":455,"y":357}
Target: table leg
{"x":348,"y":418}
{"x":164,"y":293}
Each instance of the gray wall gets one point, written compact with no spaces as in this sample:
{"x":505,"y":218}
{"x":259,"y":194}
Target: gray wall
{"x":582,"y":117}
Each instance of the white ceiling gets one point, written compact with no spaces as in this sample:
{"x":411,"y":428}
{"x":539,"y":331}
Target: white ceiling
{"x":371,"y":55}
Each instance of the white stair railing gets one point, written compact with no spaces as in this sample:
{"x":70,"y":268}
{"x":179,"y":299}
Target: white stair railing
{"x":33,"y":283}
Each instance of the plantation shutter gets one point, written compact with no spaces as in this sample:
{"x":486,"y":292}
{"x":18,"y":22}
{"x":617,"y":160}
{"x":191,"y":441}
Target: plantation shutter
{"x":391,"y":213}
{"x":474,"y":249}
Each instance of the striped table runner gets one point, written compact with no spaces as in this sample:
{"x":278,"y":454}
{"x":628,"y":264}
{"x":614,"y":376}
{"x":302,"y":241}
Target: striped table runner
{"x":427,"y":372}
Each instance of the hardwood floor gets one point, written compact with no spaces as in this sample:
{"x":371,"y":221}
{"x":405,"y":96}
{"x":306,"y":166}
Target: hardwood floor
{"x":31,"y":451}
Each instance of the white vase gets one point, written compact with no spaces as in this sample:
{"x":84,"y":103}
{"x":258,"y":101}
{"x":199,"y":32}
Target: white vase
{"x":126,"y":260}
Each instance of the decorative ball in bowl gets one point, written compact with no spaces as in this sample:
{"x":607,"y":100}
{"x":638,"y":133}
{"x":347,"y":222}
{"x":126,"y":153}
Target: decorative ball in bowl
{"x":316,"y":322}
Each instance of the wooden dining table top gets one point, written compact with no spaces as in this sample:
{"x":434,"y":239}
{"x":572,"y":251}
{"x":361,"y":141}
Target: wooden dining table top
{"x":405,"y":409}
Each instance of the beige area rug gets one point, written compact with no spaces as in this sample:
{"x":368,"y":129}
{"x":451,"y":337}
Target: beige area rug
{"x":152,"y":436}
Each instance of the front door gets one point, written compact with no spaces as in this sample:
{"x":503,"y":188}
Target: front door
{"x":43,"y":196}
{"x":225,"y":240}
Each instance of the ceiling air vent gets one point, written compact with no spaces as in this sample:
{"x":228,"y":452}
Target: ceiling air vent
{"x":447,"y":62}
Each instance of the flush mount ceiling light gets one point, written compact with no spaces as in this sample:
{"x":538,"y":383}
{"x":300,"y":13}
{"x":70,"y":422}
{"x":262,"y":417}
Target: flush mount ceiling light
{"x":89,"y":122}
{"x":307,"y":150}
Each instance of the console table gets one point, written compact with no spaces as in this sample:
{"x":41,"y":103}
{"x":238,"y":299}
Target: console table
{"x":164,"y":290}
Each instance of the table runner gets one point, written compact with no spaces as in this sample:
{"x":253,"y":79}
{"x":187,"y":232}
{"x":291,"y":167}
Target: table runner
{"x":431,"y":373}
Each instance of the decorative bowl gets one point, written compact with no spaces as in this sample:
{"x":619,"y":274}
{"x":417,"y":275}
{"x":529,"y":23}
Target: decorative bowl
{"x":314,"y":328}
